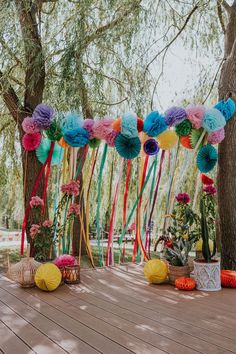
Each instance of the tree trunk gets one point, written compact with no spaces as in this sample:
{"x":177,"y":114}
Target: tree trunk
{"x":227,"y":152}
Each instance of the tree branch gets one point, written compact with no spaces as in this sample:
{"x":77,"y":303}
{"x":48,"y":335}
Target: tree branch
{"x":220,"y":15}
{"x":226,"y":6}
{"x":112,"y":103}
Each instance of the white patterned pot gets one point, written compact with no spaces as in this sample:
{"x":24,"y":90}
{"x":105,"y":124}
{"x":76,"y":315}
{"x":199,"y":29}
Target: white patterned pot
{"x":207,"y":275}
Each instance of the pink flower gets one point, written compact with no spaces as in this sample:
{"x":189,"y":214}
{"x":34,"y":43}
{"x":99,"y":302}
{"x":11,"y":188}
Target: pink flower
{"x":34,"y":230}
{"x":71,"y":188}
{"x":74,"y":209}
{"x":65,"y":260}
{"x":183,"y":198}
{"x":47,"y":223}
{"x":36,"y":201}
{"x":210,"y":190}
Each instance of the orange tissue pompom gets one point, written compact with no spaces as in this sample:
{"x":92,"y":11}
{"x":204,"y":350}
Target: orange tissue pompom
{"x":62,"y":143}
{"x":185,"y":283}
{"x":116,"y":125}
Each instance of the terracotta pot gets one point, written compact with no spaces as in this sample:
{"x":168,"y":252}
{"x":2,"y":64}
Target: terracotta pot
{"x":207,"y":275}
{"x":176,"y":272}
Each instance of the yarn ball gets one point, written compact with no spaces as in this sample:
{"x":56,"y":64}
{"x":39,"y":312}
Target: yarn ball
{"x":43,"y":151}
{"x":167,"y":140}
{"x":88,"y":125}
{"x":195,"y":114}
{"x":30,"y":142}
{"x":206,"y":180}
{"x":111,"y":137}
{"x":213,"y":120}
{"x":226,"y":107}
{"x":175,"y":115}
{"x":129,"y":125}
{"x":47,"y":277}
{"x":154,"y":124}
{"x":77,"y":137}
{"x":70,"y":121}
{"x":151,"y":147}
{"x":140,"y":124}
{"x":42,"y":116}
{"x":116,"y":125}
{"x":183,"y":283}
{"x":65,"y":260}
{"x":127,"y":148}
{"x":183,"y":128}
{"x":216,"y":137}
{"x":29,"y":126}
{"x":228,"y":278}
{"x":195,"y":136}
{"x":54,"y":132}
{"x":94,"y":143}
{"x":102,"y":127}
{"x":186,"y":142}
{"x":62,"y":143}
{"x":207,"y":158}
{"x":155,"y":271}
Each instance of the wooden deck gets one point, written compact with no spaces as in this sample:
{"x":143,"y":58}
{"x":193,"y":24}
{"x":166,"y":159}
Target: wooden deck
{"x":115,"y":311}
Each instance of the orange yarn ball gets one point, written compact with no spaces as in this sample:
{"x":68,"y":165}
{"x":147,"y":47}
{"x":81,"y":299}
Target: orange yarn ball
{"x":228,"y":278}
{"x":185,"y":142}
{"x":116,"y":125}
{"x":185,"y":283}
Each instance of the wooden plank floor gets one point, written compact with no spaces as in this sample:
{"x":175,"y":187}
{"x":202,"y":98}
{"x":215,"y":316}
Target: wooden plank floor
{"x":115,"y":311}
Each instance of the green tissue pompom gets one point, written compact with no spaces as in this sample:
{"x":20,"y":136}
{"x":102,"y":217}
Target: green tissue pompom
{"x":54,"y":132}
{"x":94,"y":143}
{"x":183,"y":128}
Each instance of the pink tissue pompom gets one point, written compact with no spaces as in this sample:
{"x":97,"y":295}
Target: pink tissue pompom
{"x":65,"y":260}
{"x":88,"y":125}
{"x":110,"y":138}
{"x":195,"y":114}
{"x":30,"y":142}
{"x":102,"y":128}
{"x":216,"y":137}
{"x":30,"y":126}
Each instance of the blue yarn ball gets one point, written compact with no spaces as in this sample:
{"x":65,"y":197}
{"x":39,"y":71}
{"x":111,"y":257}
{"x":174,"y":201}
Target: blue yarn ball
{"x":77,"y":137}
{"x":43,"y":151}
{"x":213,"y":120}
{"x":207,"y":158}
{"x":154,"y":124}
{"x":227,"y":108}
{"x":129,"y":148}
{"x":150,"y":147}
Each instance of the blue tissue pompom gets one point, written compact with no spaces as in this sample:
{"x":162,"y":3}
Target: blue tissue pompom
{"x":213,"y":120}
{"x":70,"y":121}
{"x":129,"y":148}
{"x":154,"y":124}
{"x":226,"y":107}
{"x":43,"y":151}
{"x":207,"y":158}
{"x":77,"y":137}
{"x":129,"y":125}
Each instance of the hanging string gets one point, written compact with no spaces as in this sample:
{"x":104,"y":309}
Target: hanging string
{"x":126,"y":190}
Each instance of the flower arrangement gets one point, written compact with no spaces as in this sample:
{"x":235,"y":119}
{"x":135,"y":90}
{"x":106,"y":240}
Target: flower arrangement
{"x":42,"y":237}
{"x":65,"y":260}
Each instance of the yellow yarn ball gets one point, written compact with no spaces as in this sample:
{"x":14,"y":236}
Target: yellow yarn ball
{"x":48,"y":277}
{"x":167,"y":140}
{"x":155,"y":271}
{"x":198,"y":246}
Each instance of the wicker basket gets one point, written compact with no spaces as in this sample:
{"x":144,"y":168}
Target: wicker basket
{"x":72,"y":274}
{"x":178,"y":272}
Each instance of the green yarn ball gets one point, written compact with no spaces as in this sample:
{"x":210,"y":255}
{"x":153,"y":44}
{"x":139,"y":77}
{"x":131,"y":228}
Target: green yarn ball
{"x":183,"y":128}
{"x":195,"y":136}
{"x":94,"y":143}
{"x":54,"y":132}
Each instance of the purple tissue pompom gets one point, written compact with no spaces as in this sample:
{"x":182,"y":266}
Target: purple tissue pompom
{"x":175,"y":115}
{"x":88,"y":125}
{"x":42,"y":116}
{"x":216,"y":137}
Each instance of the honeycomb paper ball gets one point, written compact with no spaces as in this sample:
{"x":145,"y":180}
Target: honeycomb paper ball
{"x":183,"y":283}
{"x":48,"y":277}
{"x":167,"y":140}
{"x":155,"y":271}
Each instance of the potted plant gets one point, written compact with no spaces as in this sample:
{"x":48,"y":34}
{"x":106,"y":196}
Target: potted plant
{"x":207,"y":270}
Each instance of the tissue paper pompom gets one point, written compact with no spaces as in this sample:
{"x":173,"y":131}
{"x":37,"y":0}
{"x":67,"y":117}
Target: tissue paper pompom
{"x":54,"y":132}
{"x":185,"y":142}
{"x":78,"y":137}
{"x":151,"y":147}
{"x":167,"y":140}
{"x":129,"y":125}
{"x":94,"y":143}
{"x":102,"y":127}
{"x":183,"y":128}
{"x":29,"y":126}
{"x":43,"y":151}
{"x":42,"y":116}
{"x":226,"y":107}
{"x":30,"y":142}
{"x":216,"y":137}
{"x":116,"y":125}
{"x":213,"y":120}
{"x":140,"y":124}
{"x":88,"y":125}
{"x":127,"y":148}
{"x":207,"y":158}
{"x":62,"y":143}
{"x":70,"y":121}
{"x":175,"y":115}
{"x":195,"y":136}
{"x":110,"y":138}
{"x":154,"y":124}
{"x":206,"y":180}
{"x":195,"y":114}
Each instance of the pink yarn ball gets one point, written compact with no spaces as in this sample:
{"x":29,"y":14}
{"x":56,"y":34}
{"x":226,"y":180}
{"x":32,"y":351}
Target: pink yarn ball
{"x":29,"y":125}
{"x":88,"y":125}
{"x":216,"y":137}
{"x":110,"y":138}
{"x":30,"y":142}
{"x":102,"y":128}
{"x":195,"y":114}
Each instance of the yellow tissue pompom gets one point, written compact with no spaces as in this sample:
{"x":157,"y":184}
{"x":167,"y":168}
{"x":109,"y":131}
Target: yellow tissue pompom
{"x":198,"y":246}
{"x":155,"y":271}
{"x":48,"y":277}
{"x":167,"y":140}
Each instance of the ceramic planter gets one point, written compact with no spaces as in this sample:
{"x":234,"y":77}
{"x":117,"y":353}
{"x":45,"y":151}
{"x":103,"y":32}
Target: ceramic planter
{"x":207,"y":275}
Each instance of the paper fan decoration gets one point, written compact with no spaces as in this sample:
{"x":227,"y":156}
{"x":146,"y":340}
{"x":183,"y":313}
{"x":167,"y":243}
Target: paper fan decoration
{"x":43,"y":151}
{"x":30,"y":142}
{"x":207,"y":158}
{"x":183,"y":128}
{"x":195,"y":136}
{"x":186,"y":142}
{"x":154,"y":124}
{"x":227,"y":108}
{"x":77,"y":137}
{"x":213,"y":120}
{"x":127,"y":148}
{"x":151,"y":147}
{"x":167,"y":140}
{"x":206,"y":180}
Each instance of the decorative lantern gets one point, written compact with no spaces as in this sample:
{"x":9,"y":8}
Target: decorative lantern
{"x":72,"y":274}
